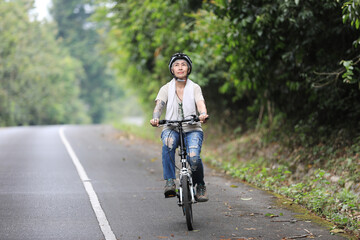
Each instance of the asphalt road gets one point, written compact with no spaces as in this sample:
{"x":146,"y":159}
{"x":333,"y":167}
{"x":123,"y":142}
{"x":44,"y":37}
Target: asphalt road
{"x":93,"y":182}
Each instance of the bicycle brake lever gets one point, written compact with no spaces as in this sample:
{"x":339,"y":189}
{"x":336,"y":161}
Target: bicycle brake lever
{"x":195,"y":118}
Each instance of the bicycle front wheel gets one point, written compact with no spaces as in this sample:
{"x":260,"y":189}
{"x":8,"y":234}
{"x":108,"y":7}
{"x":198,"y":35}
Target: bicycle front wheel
{"x":186,"y":199}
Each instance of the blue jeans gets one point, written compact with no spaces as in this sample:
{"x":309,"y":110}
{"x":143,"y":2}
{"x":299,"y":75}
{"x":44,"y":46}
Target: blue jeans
{"x":193,"y":143}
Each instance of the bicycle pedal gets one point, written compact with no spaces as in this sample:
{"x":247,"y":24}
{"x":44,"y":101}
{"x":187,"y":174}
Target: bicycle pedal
{"x":170,"y":194}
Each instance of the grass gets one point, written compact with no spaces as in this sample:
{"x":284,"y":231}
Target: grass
{"x":320,"y":178}
{"x":144,"y":131}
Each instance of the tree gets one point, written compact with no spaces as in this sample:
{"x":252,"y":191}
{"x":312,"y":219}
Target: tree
{"x":277,"y":53}
{"x":38,"y":79}
{"x":143,"y":36}
{"x":258,"y":62}
{"x":80,"y":34}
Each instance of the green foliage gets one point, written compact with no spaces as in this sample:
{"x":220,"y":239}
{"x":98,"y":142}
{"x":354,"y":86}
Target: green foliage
{"x":84,"y":38}
{"x":144,"y":34}
{"x":38,"y":79}
{"x":254,"y":60}
{"x":276,"y":48}
{"x":348,"y":75}
{"x":351,"y":13}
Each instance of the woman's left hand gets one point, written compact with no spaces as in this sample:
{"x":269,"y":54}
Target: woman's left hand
{"x":203,"y":118}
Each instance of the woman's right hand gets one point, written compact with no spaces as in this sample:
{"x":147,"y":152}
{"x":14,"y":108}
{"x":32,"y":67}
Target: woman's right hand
{"x":154,"y":122}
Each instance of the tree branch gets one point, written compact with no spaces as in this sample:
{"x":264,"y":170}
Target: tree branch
{"x":334,"y":75}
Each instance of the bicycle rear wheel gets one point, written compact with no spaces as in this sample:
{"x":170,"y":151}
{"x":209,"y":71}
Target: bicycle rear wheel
{"x":187,"y":208}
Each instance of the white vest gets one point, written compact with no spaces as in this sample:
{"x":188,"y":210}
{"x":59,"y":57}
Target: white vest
{"x":189,"y":106}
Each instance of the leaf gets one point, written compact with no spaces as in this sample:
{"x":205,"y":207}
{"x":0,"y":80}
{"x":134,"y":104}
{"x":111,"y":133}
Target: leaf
{"x":271,"y":215}
{"x":234,"y":186}
{"x":246,"y":199}
{"x":337,"y":231}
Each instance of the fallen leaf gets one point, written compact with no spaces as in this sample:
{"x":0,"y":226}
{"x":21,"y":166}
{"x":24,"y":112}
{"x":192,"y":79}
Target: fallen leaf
{"x":337,"y":231}
{"x":153,"y":160}
{"x":246,"y":199}
{"x":271,"y":215}
{"x":234,"y":186}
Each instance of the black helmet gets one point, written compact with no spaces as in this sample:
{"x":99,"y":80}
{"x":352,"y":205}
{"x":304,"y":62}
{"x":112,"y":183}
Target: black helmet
{"x":178,"y":56}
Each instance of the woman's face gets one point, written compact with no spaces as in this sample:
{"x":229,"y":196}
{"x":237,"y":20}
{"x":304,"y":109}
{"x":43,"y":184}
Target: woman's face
{"x":180,"y":69}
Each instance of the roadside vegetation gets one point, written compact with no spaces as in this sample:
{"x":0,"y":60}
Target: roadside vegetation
{"x":54,"y":71}
{"x":324,"y":178}
{"x":36,"y":73}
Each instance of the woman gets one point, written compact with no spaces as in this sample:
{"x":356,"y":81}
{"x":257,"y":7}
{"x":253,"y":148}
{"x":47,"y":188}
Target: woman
{"x":182,"y":98}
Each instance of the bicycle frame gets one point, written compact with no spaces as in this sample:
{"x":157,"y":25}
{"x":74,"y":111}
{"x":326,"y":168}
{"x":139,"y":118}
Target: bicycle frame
{"x":184,"y":171}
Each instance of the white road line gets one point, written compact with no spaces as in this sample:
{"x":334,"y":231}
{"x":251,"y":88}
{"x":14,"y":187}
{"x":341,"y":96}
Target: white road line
{"x":100,"y":215}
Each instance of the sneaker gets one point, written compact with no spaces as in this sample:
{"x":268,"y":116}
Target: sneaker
{"x":170,"y":188}
{"x":201,"y":195}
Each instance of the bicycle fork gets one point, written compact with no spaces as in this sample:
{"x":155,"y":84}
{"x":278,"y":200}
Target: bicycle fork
{"x":186,"y":172}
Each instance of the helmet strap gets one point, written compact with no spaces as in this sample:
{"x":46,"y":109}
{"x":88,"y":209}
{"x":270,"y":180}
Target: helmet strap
{"x":180,"y":80}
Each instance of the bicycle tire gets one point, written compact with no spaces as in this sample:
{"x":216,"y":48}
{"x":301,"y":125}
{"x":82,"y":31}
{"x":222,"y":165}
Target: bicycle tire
{"x":187,"y":208}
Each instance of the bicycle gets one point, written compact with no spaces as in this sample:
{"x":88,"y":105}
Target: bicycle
{"x":185,"y":192}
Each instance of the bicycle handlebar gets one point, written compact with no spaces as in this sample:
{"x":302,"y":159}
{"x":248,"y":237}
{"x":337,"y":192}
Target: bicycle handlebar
{"x":194,"y":118}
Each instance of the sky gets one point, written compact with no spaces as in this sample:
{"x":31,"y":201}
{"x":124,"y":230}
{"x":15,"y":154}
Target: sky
{"x":41,"y":9}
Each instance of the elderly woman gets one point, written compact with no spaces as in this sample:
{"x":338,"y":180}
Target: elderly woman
{"x":182,"y":98}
